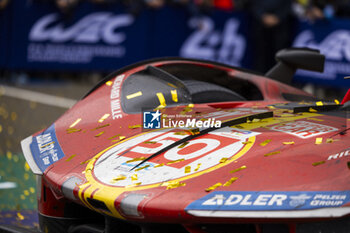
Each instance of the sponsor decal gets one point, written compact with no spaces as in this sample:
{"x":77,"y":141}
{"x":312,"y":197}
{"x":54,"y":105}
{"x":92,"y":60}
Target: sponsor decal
{"x":151,"y":120}
{"x":230,"y":201}
{"x":303,"y":129}
{"x":189,"y":158}
{"x":45,"y":148}
{"x":339,"y":155}
{"x":206,"y":42}
{"x":115,"y":97}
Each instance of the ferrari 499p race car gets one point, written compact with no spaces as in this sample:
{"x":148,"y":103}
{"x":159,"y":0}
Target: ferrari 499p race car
{"x":184,"y":145}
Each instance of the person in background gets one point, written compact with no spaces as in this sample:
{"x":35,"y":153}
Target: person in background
{"x":3,"y":4}
{"x":271,"y":30}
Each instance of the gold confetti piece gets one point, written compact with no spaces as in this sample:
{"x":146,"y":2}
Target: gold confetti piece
{"x":336,"y":101}
{"x":26,"y":192}
{"x":133,"y":185}
{"x":104,"y":117}
{"x":264,"y":143}
{"x":238,"y":169}
{"x":161,"y":99}
{"x":173,"y":184}
{"x":215,"y":186}
{"x":140,"y":168}
{"x":287,"y":115}
{"x":46,"y":145}
{"x":109,"y":83}
{"x":272,"y":153}
{"x":85,"y":162}
{"x":247,"y":142}
{"x":75,"y":123}
{"x":318,"y":163}
{"x":110,"y":138}
{"x":288,"y":143}
{"x":0,"y":128}
{"x":229,"y":182}
{"x":101,"y":126}
{"x":329,"y":140}
{"x":9,"y":155}
{"x":134,"y":126}
{"x":26,"y":166}
{"x":319,"y":103}
{"x":190,"y":105}
{"x":22,"y":197}
{"x":175,"y":161}
{"x":312,"y":110}
{"x":122,"y":138}
{"x":99,"y":134}
{"x":13,"y":116}
{"x":73,"y":130}
{"x":120,"y":177}
{"x":223,"y":160}
{"x":183,"y":145}
{"x":187,"y":169}
{"x":26,"y":176}
{"x":150,"y":142}
{"x":174,"y":95}
{"x":160,"y":165}
{"x":271,"y":107}
{"x":256,"y":120}
{"x":171,"y":85}
{"x":32,"y":190}
{"x":318,"y":141}
{"x":134,"y":177}
{"x":181,"y":133}
{"x":20,"y":216}
{"x":136,"y":159}
{"x":194,"y":131}
{"x":198,"y":166}
{"x":71,"y":157}
{"x":131,"y":96}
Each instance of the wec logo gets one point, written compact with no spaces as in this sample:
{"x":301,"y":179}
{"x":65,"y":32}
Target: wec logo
{"x":90,"y":29}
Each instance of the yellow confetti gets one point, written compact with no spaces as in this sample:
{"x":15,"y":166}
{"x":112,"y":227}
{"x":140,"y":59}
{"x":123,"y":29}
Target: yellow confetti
{"x":22,"y":197}
{"x":160,"y":165}
{"x":329,"y":140}
{"x":194,"y":131}
{"x":181,"y":133}
{"x":101,"y":126}
{"x":238,"y":169}
{"x":319,"y":103}
{"x":215,"y":186}
{"x":110,"y":138}
{"x":109,"y":83}
{"x":288,"y":143}
{"x":223,"y":160}
{"x":198,"y":166}
{"x":173,"y":184}
{"x":264,"y":143}
{"x":13,"y":116}
{"x":73,"y":130}
{"x":171,"y":85}
{"x":150,"y":142}
{"x":183,"y":145}
{"x":32,"y":190}
{"x":247,"y":142}
{"x":336,"y":101}
{"x":9,"y":155}
{"x":187,"y":169}
{"x":174,"y":95}
{"x":0,"y":128}
{"x":140,"y":168}
{"x":271,"y":107}
{"x":312,"y":110}
{"x":120,"y":177}
{"x":20,"y":216}
{"x":26,"y":176}
{"x":131,"y":96}
{"x":229,"y":182}
{"x":190,"y":105}
{"x":318,"y":141}
{"x":85,"y":162}
{"x":104,"y":117}
{"x":122,"y":138}
{"x":26,"y":192}
{"x":256,"y":120}
{"x":161,"y":99}
{"x":134,"y":177}
{"x":26,"y":166}
{"x":272,"y":153}
{"x":71,"y":157}
{"x":75,"y":123}
{"x":134,"y":126}
{"x":318,"y":163}
{"x":136,"y":159}
{"x":175,"y":161}
{"x":133,"y":185}
{"x":99,"y":134}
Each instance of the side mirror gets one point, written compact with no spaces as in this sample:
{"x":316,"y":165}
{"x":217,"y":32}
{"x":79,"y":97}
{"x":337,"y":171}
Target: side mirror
{"x":291,"y":59}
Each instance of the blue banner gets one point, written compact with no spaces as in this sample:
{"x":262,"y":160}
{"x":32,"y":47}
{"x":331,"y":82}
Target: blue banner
{"x":332,"y":38}
{"x":107,"y":38}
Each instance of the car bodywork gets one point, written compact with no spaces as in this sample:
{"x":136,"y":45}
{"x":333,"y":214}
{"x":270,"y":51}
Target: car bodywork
{"x":276,"y":163}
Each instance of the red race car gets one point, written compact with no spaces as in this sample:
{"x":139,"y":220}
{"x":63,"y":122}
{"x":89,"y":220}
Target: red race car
{"x":181,"y":145}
